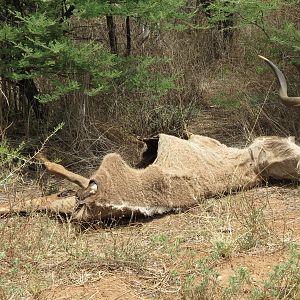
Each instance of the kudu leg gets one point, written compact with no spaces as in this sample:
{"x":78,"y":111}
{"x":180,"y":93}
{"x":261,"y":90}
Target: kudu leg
{"x":60,"y":170}
{"x":55,"y":203}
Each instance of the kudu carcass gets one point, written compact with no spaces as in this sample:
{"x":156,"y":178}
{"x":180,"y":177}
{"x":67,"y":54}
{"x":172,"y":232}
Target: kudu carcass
{"x":174,"y":174}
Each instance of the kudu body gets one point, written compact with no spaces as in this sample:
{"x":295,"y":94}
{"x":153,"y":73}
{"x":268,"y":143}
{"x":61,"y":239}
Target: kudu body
{"x":174,"y":174}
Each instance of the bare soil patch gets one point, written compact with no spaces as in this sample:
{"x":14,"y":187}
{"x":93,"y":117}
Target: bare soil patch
{"x":109,"y":288}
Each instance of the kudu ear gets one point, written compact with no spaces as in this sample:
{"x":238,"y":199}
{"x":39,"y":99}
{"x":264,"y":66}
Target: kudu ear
{"x":259,"y":159}
{"x":262,"y":159}
{"x":298,"y":167}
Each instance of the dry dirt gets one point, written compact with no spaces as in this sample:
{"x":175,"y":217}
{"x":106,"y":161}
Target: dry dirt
{"x":156,"y":258}
{"x":112,"y":287}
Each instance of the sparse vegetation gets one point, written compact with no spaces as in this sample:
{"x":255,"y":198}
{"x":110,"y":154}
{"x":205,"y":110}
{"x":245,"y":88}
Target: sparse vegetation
{"x":283,"y":281}
{"x":10,"y":159}
{"x":191,"y":255}
{"x":115,"y":70}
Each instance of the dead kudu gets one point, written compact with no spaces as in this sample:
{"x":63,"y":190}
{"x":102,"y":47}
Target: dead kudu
{"x":174,"y":174}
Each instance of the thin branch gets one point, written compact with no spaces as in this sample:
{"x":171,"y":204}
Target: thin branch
{"x":4,"y":96}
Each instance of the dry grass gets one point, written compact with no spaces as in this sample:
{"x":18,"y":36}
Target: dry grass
{"x":191,"y":255}
{"x":197,"y":254}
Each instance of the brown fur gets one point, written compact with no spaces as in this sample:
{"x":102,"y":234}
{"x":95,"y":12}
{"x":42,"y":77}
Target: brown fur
{"x":183,"y":173}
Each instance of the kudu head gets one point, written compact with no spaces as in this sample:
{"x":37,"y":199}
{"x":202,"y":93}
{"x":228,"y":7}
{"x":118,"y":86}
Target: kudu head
{"x":289,"y":101}
{"x":276,"y":157}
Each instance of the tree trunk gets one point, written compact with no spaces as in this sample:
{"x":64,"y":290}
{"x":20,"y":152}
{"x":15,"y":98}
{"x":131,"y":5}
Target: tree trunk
{"x":111,"y":26}
{"x":28,"y":91}
{"x":224,"y":27}
{"x":128,"y":37}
